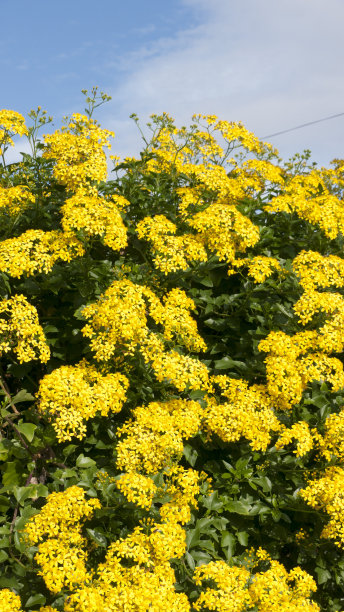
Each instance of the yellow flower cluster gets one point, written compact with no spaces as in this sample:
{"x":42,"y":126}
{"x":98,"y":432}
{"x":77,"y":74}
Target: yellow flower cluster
{"x":276,"y":590}
{"x":319,"y":366}
{"x":290,"y":366}
{"x":147,"y":581}
{"x":166,"y":150}
{"x":155,"y":437}
{"x":11,"y":123}
{"x":63,"y":561}
{"x":170,"y":252}
{"x":219,"y":225}
{"x":331,"y":334}
{"x":214,"y":179}
{"x":20,"y":330}
{"x":231,"y":594}
{"x":146,"y":585}
{"x":308,"y":196}
{"x":118,"y":322}
{"x":238,"y":590}
{"x":327,"y":494}
{"x":232,"y":132}
{"x":14,"y":199}
{"x":104,"y":479}
{"x":118,"y":319}
{"x":61,"y":513}
{"x":300,"y":535}
{"x":174,"y":316}
{"x":182,"y":371}
{"x":318,"y":271}
{"x":71,"y":395}
{"x":294,"y":361}
{"x":332,"y":443}
{"x":166,"y":541}
{"x":262,"y":171}
{"x":36,"y":251}
{"x":9,"y":602}
{"x":260,"y":268}
{"x":138,"y":489}
{"x":299,"y":432}
{"x":198,"y":151}
{"x":225,"y":230}
{"x":188,"y":196}
{"x":78,"y":153}
{"x":248,"y":413}
{"x":57,"y":531}
{"x":315,"y":270}
{"x":183,"y":486}
{"x":97,"y":216}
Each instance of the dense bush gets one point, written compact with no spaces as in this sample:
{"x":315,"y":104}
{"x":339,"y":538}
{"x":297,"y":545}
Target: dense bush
{"x":171,"y":350}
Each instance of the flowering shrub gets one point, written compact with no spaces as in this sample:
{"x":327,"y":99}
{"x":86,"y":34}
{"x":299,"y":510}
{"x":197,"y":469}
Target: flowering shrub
{"x":171,"y":372}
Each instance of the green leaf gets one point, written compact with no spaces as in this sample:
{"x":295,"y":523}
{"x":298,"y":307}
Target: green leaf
{"x":242,"y":537}
{"x":323,"y":575}
{"x":19,"y":542}
{"x":227,"y":363}
{"x":190,"y":561}
{"x":4,"y":542}
{"x":28,"y":430}
{"x":264,"y":482}
{"x":3,"y":452}
{"x":85,"y":462}
{"x":4,"y":503}
{"x":212,"y":502}
{"x":36,"y":600}
{"x":11,"y":583}
{"x":23,"y":396}
{"x":227,"y":539}
{"x":33,"y":491}
{"x":193,"y":537}
{"x":201,"y":557}
{"x":190,"y":454}
{"x":97,"y":537}
{"x":12,"y":473}
{"x":238,"y":507}
{"x":50,"y":329}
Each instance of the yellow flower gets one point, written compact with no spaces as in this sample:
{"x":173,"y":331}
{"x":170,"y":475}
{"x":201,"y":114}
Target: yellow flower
{"x":11,"y":123}
{"x":14,"y":199}
{"x":36,"y":251}
{"x":78,"y":153}
{"x":326,"y":493}
{"x":248,"y":413}
{"x":301,"y":433}
{"x":97,"y":216}
{"x":71,"y":395}
{"x":138,"y":489}
{"x":20,"y":330}
{"x":9,"y":601}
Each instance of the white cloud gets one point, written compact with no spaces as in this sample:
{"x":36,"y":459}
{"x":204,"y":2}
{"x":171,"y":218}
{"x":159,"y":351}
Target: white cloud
{"x":272,"y":65}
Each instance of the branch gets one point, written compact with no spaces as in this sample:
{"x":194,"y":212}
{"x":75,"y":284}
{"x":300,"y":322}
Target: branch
{"x":6,"y":390}
{"x":8,"y":420}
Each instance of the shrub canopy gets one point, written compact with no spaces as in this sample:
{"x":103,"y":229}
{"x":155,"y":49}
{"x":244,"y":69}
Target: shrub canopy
{"x":171,"y":372}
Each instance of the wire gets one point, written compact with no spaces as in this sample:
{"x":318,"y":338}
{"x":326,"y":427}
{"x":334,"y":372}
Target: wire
{"x":298,"y":127}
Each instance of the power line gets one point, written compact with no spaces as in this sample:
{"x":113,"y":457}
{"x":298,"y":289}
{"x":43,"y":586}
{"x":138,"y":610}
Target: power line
{"x":298,"y":127}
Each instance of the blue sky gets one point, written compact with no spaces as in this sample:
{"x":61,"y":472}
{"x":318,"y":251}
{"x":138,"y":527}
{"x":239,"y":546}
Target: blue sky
{"x":272,"y":65}
{"x":52,"y":50}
